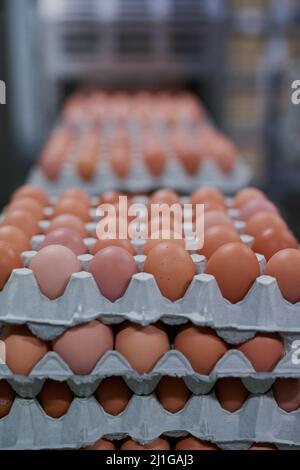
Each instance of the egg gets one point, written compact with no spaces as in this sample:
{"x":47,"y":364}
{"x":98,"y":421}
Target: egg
{"x":217,"y":236}
{"x":73,"y":207}
{"x":23,"y":350}
{"x":86,"y":166}
{"x":231,"y":393}
{"x":226,"y":161}
{"x":142,"y":346}
{"x":151,"y":243}
{"x":76,"y":193}
{"x":207,"y":194}
{"x":113,"y":394}
{"x":263,"y":447}
{"x":113,"y":268}
{"x":264,"y":351}
{"x":102,"y":444}
{"x":172,"y":267}
{"x":272,"y":240}
{"x":287,"y":394}
{"x":255,"y":206}
{"x":9,"y":260}
{"x":260,"y":222}
{"x":154,"y":158}
{"x":15,"y":237}
{"x":7,"y":398}
{"x":192,"y":443}
{"x":68,"y":221}
{"x":81,"y":347}
{"x":51,"y":165}
{"x":172,"y":393}
{"x":211,"y":206}
{"x":235,"y":268}
{"x":246,"y":195}
{"x":285,"y":267}
{"x":201,"y":346}
{"x":27,"y":204}
{"x":164,"y":196}
{"x":33,"y":192}
{"x":110,"y":197}
{"x":161,"y":443}
{"x":189,"y":158}
{"x":120,"y":161}
{"x":23,"y":220}
{"x":121,"y":243}
{"x":65,"y":237}
{"x":53,"y":267}
{"x":213,"y":218}
{"x":55,"y":398}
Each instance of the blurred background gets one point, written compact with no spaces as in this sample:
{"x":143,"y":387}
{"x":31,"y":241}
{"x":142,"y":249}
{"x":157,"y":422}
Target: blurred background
{"x":239,"y":56}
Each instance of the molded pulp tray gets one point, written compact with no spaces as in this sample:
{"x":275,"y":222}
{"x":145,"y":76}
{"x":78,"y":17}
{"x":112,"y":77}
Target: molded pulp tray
{"x":259,"y":420}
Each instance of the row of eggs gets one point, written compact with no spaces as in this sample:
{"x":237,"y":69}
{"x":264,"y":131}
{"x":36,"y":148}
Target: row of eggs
{"x":82,"y":347}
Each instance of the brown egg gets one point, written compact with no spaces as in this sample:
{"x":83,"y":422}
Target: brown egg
{"x":23,"y":350}
{"x":7,"y":397}
{"x":154,"y":158}
{"x":272,"y":240}
{"x":27,"y":204}
{"x":73,"y":207}
{"x":76,"y":193}
{"x":226,"y":160}
{"x":102,"y":444}
{"x":86,"y":166}
{"x":113,"y":394}
{"x":201,"y":346}
{"x":246,"y":195}
{"x":121,"y":243}
{"x":207,"y":194}
{"x":9,"y":260}
{"x":212,"y":206}
{"x":264,"y":351}
{"x":161,"y":443}
{"x":260,"y":222}
{"x":23,"y":220}
{"x":68,"y":221}
{"x":172,"y":393}
{"x":263,"y":447}
{"x":285,"y":267}
{"x":172,"y":267}
{"x":213,"y":218}
{"x":33,"y":192}
{"x":81,"y":347}
{"x":164,"y":196}
{"x":192,"y":443}
{"x":120,"y":161}
{"x":110,"y":197}
{"x":15,"y":237}
{"x":152,"y":243}
{"x":235,"y":268}
{"x":217,"y":236}
{"x":287,"y":394}
{"x":55,"y":398}
{"x":142,"y":346}
{"x":231,"y":393}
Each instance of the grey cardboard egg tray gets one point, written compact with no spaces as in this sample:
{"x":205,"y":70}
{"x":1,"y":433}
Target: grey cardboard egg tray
{"x":144,"y":419}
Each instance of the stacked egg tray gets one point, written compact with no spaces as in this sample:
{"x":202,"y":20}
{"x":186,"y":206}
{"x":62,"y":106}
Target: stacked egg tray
{"x":262,"y":310}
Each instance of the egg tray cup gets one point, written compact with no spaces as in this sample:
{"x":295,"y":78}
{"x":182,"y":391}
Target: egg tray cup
{"x":262,"y":310}
{"x":140,"y":180}
{"x":259,"y":420}
{"x":173,"y":364}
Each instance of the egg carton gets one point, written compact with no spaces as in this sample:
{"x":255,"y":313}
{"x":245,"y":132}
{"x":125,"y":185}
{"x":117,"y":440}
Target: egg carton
{"x":144,"y":419}
{"x":140,"y":179}
{"x":174,"y":364}
{"x":263,"y":308}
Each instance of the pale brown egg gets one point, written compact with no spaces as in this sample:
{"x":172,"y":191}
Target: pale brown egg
{"x":142,"y":346}
{"x":161,"y":443}
{"x":121,"y":243}
{"x":113,"y":395}
{"x":121,"y":161}
{"x":207,"y":194}
{"x":65,"y":237}
{"x":27,"y":204}
{"x":73,"y":207}
{"x":7,"y":398}
{"x":285,"y":267}
{"x":246,"y":195}
{"x":231,"y":393}
{"x":201,"y":346}
{"x":217,"y":236}
{"x":260,"y":222}
{"x":192,"y":443}
{"x":23,"y":350}
{"x":235,"y":268}
{"x":214,"y":217}
{"x":15,"y":237}
{"x":172,"y":393}
{"x":9,"y":260}
{"x":55,"y":398}
{"x":102,"y":444}
{"x":68,"y":221}
{"x":110,"y":197}
{"x":23,"y":220}
{"x":76,"y":193}
{"x":33,"y":192}
{"x":154,"y":158}
{"x":172,"y":267}
{"x":86,"y":167}
{"x":264,"y":351}
{"x":164,"y":196}
{"x":287,"y":394}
